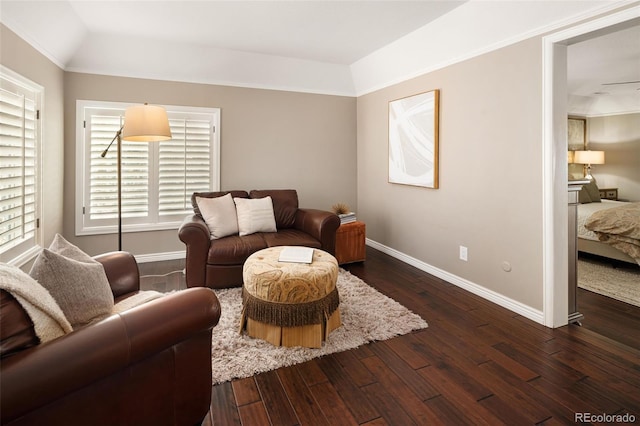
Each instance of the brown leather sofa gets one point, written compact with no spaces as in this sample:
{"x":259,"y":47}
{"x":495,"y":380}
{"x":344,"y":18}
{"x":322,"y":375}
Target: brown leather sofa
{"x":150,"y":365}
{"x":218,"y":263}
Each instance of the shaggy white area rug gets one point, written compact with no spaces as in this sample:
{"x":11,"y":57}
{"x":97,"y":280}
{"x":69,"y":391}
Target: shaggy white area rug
{"x":617,"y":283}
{"x":367,"y":315}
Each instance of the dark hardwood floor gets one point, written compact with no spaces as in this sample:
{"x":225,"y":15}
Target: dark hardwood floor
{"x":609,"y":317}
{"x":476,"y":363}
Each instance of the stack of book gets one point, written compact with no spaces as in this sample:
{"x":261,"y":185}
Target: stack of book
{"x":347,"y":218}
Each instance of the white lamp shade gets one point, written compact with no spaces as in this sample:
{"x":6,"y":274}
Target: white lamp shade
{"x":588,"y":157}
{"x":146,"y":123}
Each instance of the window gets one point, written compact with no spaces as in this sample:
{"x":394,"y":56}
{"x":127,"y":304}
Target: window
{"x":158,"y":178}
{"x":19,"y":166}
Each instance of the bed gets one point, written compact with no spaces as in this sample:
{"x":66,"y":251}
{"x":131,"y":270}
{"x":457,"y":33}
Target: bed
{"x":610,"y":229}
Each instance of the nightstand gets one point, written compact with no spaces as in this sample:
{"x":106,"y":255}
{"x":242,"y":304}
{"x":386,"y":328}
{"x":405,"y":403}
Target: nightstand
{"x":609,"y":193}
{"x":350,"y":242}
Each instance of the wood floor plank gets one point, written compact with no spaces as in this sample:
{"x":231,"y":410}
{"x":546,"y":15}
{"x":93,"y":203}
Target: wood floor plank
{"x":311,"y":373}
{"x":459,"y":369}
{"x":275,"y":399}
{"x":335,"y":410}
{"x":352,"y":395}
{"x":507,"y":413}
{"x":403,"y":395}
{"x":541,"y":363}
{"x":388,"y":407}
{"x":300,"y":397}
{"x":245,"y":391}
{"x":459,"y":396}
{"x":224,"y":410}
{"x":394,"y":362}
{"x":519,"y":393}
{"x":586,"y":340}
{"x":410,"y":349}
{"x":254,"y":414}
{"x":599,"y":369}
{"x":353,"y":366}
{"x":569,"y":402}
{"x":446,"y":412}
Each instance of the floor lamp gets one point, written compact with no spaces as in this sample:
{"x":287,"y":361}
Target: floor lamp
{"x":142,"y":123}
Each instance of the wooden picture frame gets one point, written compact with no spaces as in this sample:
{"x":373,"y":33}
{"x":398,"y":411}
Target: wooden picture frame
{"x":413,"y":140}
{"x":576,"y":141}
{"x":576,"y":133}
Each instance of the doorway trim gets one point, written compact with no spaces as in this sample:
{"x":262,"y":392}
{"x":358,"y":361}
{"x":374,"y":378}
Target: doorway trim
{"x":554,"y":164}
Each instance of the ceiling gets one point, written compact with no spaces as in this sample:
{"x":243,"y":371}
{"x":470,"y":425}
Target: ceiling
{"x":327,"y":33}
{"x":604,"y":72}
{"x":339,"y":32}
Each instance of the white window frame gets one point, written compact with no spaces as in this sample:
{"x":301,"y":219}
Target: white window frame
{"x":84,"y":225}
{"x":22,"y":251}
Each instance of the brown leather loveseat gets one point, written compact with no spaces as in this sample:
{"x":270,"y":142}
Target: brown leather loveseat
{"x":150,"y":365}
{"x":217,"y":263}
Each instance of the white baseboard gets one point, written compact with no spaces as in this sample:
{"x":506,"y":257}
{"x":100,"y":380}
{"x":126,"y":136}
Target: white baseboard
{"x":497,"y":298}
{"x":160,"y":257}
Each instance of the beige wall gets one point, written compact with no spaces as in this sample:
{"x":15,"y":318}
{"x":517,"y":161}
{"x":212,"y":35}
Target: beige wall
{"x":269,"y":139}
{"x":490,"y":196}
{"x":619,"y":137}
{"x":20,"y":57}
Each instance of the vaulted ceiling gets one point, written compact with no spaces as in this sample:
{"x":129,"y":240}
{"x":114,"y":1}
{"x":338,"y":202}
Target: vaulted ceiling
{"x":316,"y":46}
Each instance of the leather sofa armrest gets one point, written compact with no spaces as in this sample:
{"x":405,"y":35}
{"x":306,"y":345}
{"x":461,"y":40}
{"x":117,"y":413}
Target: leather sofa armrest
{"x":42,"y":374}
{"x":320,"y":224}
{"x":122,"y":272}
{"x":195,"y":234}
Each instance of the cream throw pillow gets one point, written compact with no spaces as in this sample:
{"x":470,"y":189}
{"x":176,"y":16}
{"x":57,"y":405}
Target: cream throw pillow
{"x":76,"y":281}
{"x":255,"y":215}
{"x":219,"y":214}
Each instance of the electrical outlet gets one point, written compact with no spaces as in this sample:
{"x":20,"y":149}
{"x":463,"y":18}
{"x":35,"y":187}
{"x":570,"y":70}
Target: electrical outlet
{"x":463,"y":253}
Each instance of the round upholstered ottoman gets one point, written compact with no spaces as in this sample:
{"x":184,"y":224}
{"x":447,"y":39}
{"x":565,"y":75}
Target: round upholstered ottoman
{"x":288,"y":303}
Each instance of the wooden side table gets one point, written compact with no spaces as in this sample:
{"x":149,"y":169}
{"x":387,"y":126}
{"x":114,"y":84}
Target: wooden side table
{"x":350,"y":245}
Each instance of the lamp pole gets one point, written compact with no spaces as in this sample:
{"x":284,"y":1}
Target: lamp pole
{"x":118,"y":136}
{"x":145,"y":123}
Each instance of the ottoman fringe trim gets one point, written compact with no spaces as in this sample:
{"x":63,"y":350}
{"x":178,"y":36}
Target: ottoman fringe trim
{"x":290,"y":315}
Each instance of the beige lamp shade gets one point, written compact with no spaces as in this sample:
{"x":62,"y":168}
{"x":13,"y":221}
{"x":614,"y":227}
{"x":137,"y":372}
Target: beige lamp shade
{"x":588,"y":157}
{"x":146,"y":123}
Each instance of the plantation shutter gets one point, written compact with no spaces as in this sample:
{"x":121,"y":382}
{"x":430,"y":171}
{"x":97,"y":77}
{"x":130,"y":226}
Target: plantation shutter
{"x":103,"y":175}
{"x":158,"y":178}
{"x":184,"y":164}
{"x":18,"y":120}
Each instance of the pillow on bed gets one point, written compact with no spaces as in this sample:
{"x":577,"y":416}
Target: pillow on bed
{"x":594,"y":192}
{"x":589,"y":193}
{"x":583,"y":196}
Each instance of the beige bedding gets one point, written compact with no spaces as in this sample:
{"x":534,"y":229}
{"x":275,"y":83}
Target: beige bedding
{"x":618,"y":227}
{"x":586,"y":210}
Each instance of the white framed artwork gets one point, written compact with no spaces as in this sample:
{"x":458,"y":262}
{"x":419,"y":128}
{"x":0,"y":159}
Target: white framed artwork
{"x":413,"y":140}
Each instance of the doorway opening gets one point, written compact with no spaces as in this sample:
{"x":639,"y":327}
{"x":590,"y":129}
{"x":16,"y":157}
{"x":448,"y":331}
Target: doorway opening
{"x":555,"y":114}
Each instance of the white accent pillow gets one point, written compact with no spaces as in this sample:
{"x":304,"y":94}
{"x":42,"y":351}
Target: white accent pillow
{"x":76,"y":281}
{"x":255,"y":215}
{"x":219,"y":214}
